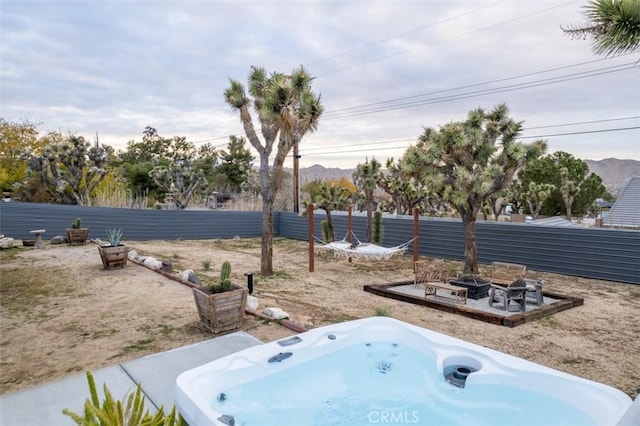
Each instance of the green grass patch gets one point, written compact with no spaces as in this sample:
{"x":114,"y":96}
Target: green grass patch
{"x":577,"y":361}
{"x":140,"y":345}
{"x":381,"y":311}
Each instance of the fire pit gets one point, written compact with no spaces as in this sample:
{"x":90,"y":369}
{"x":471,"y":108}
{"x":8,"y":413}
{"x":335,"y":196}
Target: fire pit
{"x":477,"y":288}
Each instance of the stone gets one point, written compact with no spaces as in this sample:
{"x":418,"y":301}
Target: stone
{"x":190,"y":275}
{"x":7,"y":242}
{"x":132,"y":255}
{"x":275,"y":313}
{"x":167,"y":266}
{"x":252,"y":303}
{"x":153,"y":263}
{"x":184,"y":275}
{"x":58,"y":239}
{"x":193,"y":278}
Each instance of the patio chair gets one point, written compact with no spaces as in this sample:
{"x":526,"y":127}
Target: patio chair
{"x":504,"y":296}
{"x":534,"y":294}
{"x":426,"y":271}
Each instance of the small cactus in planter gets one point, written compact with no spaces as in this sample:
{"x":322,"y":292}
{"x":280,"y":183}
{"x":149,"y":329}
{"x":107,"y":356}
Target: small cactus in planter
{"x":221,"y":304}
{"x":77,"y":234}
{"x":225,"y":279}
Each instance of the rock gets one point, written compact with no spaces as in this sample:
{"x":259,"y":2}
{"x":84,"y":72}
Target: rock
{"x":58,"y":239}
{"x":252,"y":303}
{"x":185,"y":274}
{"x":167,"y":266}
{"x":7,"y":242}
{"x":275,"y":313}
{"x":132,"y":255}
{"x":193,"y":278}
{"x":152,"y":263}
{"x":189,"y":275}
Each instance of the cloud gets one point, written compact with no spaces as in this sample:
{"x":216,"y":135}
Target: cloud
{"x":117,"y":66}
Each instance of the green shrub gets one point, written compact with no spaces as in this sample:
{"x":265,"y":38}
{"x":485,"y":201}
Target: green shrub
{"x":381,"y":311}
{"x":206,"y":264}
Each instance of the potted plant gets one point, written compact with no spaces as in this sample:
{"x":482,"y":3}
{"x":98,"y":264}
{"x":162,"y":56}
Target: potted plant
{"x":114,"y":255}
{"x":221,"y":304}
{"x":77,"y":234}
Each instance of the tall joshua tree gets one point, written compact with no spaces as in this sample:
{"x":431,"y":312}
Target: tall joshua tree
{"x":286,"y":109}
{"x":614,"y":26}
{"x":468,"y":161}
{"x":366,"y":178}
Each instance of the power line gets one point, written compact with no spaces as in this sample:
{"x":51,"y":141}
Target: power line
{"x":509,"y":88}
{"x":375,"y":43}
{"x":619,"y":129}
{"x":468,"y":86}
{"x":402,"y":52}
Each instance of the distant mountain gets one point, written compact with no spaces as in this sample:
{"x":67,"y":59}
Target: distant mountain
{"x":319,"y":172}
{"x":615,"y":173}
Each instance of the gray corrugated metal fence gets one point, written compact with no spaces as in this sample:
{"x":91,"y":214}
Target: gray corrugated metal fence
{"x":588,"y":252}
{"x":17,"y":219}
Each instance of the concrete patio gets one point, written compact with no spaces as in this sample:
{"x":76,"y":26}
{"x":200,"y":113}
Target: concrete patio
{"x":157,"y":374}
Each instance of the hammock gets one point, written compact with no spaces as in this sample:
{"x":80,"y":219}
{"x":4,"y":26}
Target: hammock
{"x":367,"y":251}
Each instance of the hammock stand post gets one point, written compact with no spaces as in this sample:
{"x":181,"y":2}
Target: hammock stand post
{"x":416,"y":234}
{"x":349,"y":238}
{"x":311,"y":254}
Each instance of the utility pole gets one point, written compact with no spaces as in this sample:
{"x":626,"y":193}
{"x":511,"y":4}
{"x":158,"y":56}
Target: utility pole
{"x":296,"y":183}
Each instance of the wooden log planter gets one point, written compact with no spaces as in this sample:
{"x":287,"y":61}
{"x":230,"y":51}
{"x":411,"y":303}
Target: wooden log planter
{"x":221,"y":311}
{"x":77,"y":235}
{"x":113,"y":256}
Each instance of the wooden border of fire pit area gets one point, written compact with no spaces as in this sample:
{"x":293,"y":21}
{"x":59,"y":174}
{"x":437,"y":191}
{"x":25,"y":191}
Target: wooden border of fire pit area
{"x":513,"y":319}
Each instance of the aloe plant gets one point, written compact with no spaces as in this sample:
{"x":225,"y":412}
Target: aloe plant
{"x":114,"y":236}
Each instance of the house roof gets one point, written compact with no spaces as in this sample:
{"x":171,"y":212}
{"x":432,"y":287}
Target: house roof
{"x":625,"y":213}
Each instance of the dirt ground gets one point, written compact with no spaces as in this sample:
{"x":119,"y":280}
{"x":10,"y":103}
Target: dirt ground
{"x":62,"y":313}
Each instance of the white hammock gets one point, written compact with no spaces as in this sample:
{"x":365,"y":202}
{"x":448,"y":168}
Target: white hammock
{"x":367,"y":251}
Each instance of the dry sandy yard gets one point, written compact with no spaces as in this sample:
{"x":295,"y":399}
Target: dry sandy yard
{"x":63,"y":314}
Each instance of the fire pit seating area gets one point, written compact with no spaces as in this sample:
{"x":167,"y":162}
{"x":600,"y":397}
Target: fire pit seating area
{"x":506,"y":287}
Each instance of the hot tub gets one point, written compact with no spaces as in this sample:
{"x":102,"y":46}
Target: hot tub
{"x":384,"y":371}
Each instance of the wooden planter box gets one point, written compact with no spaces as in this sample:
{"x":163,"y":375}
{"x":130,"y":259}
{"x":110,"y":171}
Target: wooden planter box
{"x":221,"y":311}
{"x":77,"y":235}
{"x":113,"y":256}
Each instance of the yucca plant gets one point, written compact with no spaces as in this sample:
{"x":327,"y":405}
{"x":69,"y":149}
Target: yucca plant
{"x":114,"y":236}
{"x":110,"y":412}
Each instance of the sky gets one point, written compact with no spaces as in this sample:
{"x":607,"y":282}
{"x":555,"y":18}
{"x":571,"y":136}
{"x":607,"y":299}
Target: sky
{"x":384,"y":69}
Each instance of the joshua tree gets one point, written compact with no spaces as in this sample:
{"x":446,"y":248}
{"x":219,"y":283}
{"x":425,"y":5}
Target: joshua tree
{"x":286,"y":109}
{"x":536,"y":195}
{"x":470,"y":160}
{"x":331,"y":197}
{"x":70,"y":169}
{"x":613,"y":24}
{"x":366,"y":178}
